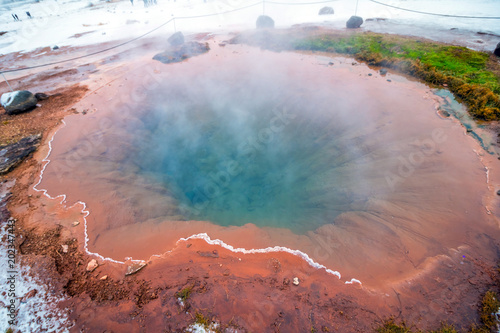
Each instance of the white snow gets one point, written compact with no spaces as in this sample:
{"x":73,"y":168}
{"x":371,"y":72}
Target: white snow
{"x":7,"y":98}
{"x":38,"y":313}
{"x":199,"y":328}
{"x":61,"y":22}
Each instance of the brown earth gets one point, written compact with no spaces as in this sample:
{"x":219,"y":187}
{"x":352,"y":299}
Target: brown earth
{"x":251,"y":293}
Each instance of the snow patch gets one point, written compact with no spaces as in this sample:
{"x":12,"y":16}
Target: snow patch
{"x":36,"y":307}
{"x":200,"y":328}
{"x":7,"y":98}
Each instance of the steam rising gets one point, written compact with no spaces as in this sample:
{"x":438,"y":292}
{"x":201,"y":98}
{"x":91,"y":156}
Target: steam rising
{"x":348,"y":168}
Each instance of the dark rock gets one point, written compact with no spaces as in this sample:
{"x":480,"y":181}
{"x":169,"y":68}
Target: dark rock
{"x":354,"y":22}
{"x":182,"y":52}
{"x":213,"y":254}
{"x":13,"y":154}
{"x":383,"y":71}
{"x":264,"y":22}
{"x":444,"y":113}
{"x":326,"y":11}
{"x":18,"y":101}
{"x":55,"y":47}
{"x":41,"y":96}
{"x":498,"y":192}
{"x":176,"y":39}
{"x":497,"y":50}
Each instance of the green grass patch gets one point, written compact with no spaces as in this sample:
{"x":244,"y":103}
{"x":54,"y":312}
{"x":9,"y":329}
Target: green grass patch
{"x":184,"y":294}
{"x":472,"y":76}
{"x":490,"y":305}
{"x":390,"y":326}
{"x":208,"y":324}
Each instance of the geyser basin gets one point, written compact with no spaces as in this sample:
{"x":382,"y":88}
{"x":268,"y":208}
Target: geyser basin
{"x":263,"y":149}
{"x":252,"y":151}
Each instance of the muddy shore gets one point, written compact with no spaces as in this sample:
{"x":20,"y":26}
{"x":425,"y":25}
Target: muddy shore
{"x":257,"y":288}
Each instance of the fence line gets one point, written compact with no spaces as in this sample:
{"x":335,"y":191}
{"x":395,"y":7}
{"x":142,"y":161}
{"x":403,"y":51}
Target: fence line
{"x":436,"y":14}
{"x":157,"y":28}
{"x":263,"y":3}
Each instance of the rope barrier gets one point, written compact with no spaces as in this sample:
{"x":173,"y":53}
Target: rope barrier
{"x":223,"y":13}
{"x":436,"y":14}
{"x":89,"y":54}
{"x":129,"y":41}
{"x":300,"y":3}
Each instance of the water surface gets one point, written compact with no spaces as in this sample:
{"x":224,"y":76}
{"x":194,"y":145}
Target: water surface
{"x":263,"y":149}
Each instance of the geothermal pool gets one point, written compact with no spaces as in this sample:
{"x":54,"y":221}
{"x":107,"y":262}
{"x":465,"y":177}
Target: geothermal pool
{"x":262,"y":149}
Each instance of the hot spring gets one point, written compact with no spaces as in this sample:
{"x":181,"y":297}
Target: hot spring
{"x":272,"y":149}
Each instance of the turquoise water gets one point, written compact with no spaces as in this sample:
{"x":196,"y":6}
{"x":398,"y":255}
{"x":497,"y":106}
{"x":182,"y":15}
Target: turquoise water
{"x":249,"y":153}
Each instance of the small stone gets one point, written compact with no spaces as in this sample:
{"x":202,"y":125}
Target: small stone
{"x":264,"y":22}
{"x":75,"y":223}
{"x":176,"y":39}
{"x":103,"y":277}
{"x":188,"y":245}
{"x":295,"y":281}
{"x":286,"y":281}
{"x":354,"y":22}
{"x":41,"y":96}
{"x":370,"y":74}
{"x":383,"y":71}
{"x":331,"y":63}
{"x":498,"y":192}
{"x":389,"y":80}
{"x":92,"y":265}
{"x":65,"y":248}
{"x":55,"y":47}
{"x":226,"y":272}
{"x":135,"y":267}
{"x":326,"y":11}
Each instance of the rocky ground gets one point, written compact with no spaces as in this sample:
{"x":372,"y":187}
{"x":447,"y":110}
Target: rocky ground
{"x":198,"y":282}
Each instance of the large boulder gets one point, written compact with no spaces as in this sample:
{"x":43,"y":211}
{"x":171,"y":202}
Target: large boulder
{"x":264,"y":22}
{"x":497,"y":50}
{"x":176,"y":39}
{"x":18,"y":101}
{"x":182,"y":52}
{"x":354,"y":22}
{"x":326,"y":11}
{"x":13,"y":154}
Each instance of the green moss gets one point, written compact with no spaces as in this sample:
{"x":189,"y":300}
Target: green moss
{"x":200,"y":319}
{"x":490,"y":306}
{"x":390,"y":326}
{"x":471,"y":75}
{"x":184,"y":294}
{"x":445,"y":328}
